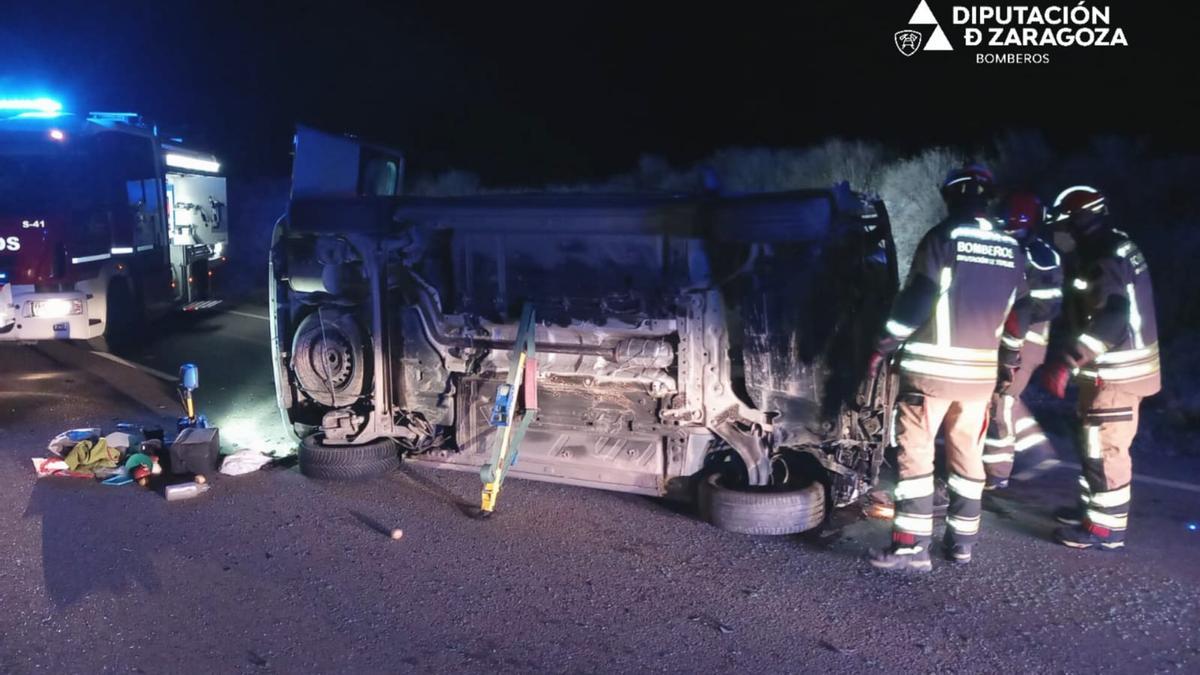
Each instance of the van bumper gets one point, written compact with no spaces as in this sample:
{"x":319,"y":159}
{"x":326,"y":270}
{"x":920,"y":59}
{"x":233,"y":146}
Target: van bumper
{"x":26,"y":315}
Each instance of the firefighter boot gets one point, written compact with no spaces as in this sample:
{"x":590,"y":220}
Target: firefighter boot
{"x":1069,"y":515}
{"x":1090,"y":535}
{"x":905,"y":554}
{"x":956,"y":553}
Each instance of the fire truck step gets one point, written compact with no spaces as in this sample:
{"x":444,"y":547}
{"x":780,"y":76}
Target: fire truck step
{"x":200,"y":304}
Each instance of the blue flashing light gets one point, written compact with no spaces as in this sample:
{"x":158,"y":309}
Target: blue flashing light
{"x":37,"y":105}
{"x":1193,"y":527}
{"x":40,"y":114}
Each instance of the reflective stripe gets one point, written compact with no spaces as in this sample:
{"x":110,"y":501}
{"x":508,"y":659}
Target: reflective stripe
{"x":892,"y":427}
{"x":1111,"y":498}
{"x":1054,"y":265}
{"x":1105,"y":520}
{"x":1037,"y":338}
{"x":950,"y":370}
{"x":1028,"y":442}
{"x":1024,"y":423}
{"x":1063,"y":195}
{"x":963,"y":525}
{"x":1093,"y":344}
{"x":909,"y":550}
{"x":1121,"y":373}
{"x":999,"y":442}
{"x":1128,"y":355}
{"x":1012,"y":298}
{"x":1079,"y":284}
{"x":1009,"y":402}
{"x":998,"y":458}
{"x":1124,"y":249}
{"x":1011,"y":342}
{"x":91,"y":258}
{"x":1093,"y":442}
{"x":913,"y":524}
{"x":1046,"y":293}
{"x":121,"y":250}
{"x":985,"y":224}
{"x":965,"y":486}
{"x":942,"y":313}
{"x":913,"y":488}
{"x":899,"y":330}
{"x":967,"y":232}
{"x":1135,"y":317}
{"x":987,"y":356}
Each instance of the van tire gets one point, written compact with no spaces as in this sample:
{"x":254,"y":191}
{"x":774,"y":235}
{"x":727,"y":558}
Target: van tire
{"x":772,"y":511}
{"x":347,"y":462}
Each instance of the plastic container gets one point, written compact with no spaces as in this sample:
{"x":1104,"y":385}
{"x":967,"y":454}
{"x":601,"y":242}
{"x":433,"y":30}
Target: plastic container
{"x":181,"y":491}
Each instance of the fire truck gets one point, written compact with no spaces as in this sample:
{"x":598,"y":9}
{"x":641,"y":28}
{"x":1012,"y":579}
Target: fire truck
{"x":104,"y":224}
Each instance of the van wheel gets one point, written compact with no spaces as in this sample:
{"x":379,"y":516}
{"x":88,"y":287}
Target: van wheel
{"x":347,"y":462}
{"x":762,"y":510}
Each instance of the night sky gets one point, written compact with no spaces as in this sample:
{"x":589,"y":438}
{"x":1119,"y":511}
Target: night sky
{"x":523,"y":93}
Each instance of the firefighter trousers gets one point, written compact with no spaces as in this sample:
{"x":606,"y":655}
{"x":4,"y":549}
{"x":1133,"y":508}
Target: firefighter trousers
{"x":1012,"y":429}
{"x":918,"y":419}
{"x":1108,"y":422}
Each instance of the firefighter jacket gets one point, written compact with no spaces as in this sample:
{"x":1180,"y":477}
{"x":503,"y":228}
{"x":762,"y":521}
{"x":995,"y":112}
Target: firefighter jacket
{"x":1044,"y":275}
{"x":967,"y":275}
{"x":1112,"y":316}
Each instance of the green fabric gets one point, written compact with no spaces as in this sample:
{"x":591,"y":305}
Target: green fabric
{"x":86,"y":457}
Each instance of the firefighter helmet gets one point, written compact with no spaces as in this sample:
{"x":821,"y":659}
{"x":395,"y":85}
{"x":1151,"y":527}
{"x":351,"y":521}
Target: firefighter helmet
{"x":971,"y":181}
{"x":1081,"y":202}
{"x":1023,"y":212}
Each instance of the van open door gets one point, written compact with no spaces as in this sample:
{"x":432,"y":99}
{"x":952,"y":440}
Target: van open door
{"x":329,"y":165}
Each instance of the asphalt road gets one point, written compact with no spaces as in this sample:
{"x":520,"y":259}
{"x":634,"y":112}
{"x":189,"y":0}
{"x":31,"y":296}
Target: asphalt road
{"x":272,"y":572}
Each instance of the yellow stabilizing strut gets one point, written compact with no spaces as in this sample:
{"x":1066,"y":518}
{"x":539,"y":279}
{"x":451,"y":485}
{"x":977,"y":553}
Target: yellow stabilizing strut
{"x":520,"y":388}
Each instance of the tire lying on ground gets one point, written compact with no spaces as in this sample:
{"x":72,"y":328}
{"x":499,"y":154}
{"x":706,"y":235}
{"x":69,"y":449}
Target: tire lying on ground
{"x":347,"y":462}
{"x":762,"y":510}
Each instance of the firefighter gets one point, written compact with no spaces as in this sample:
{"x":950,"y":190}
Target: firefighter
{"x":1113,"y":355}
{"x":1012,"y":428}
{"x":944,"y":331}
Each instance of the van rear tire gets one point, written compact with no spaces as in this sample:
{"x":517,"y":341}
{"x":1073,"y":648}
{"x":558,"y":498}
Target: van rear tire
{"x":347,"y":462}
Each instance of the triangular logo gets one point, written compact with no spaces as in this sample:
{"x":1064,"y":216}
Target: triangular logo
{"x":937,"y":41}
{"x":923,"y":16}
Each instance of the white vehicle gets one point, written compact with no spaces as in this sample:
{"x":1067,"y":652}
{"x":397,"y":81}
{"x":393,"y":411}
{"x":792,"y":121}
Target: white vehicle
{"x":103,"y":224}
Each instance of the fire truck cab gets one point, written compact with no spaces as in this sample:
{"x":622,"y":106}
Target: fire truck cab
{"x":103,"y":224}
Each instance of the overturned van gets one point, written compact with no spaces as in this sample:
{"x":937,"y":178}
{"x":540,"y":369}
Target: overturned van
{"x":683,"y":341}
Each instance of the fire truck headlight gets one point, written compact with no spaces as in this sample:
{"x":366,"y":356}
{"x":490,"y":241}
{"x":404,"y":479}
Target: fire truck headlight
{"x":55,"y":308}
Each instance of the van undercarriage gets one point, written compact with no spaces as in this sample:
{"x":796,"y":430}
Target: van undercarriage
{"x":676,"y":335}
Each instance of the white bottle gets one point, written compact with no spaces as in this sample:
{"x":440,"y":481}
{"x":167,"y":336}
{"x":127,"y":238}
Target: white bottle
{"x":180,"y":491}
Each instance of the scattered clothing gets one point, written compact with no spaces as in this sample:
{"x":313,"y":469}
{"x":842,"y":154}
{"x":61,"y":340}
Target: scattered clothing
{"x":243,"y":462}
{"x":62,"y":443}
{"x":86,"y":456}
